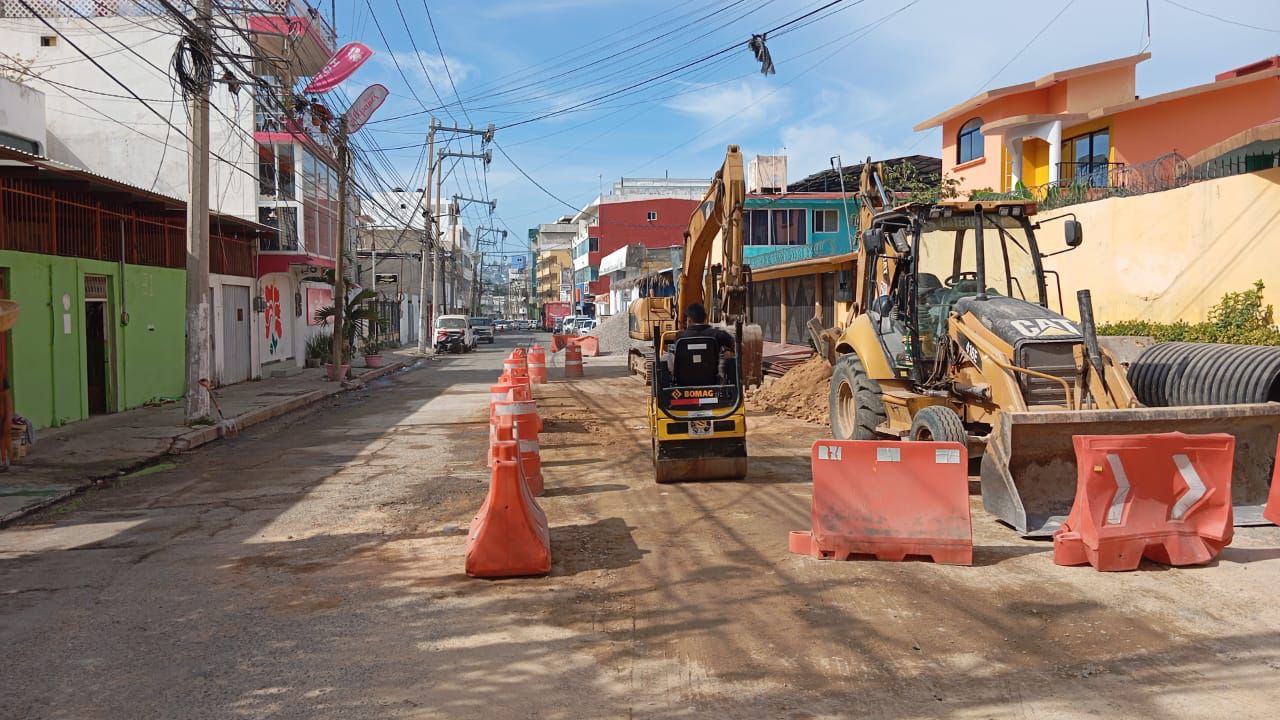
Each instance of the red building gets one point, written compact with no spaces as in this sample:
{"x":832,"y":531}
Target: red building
{"x":653,"y":223}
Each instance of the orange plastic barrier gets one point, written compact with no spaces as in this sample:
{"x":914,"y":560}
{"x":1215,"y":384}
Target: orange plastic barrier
{"x":1272,"y":511}
{"x":889,"y":499}
{"x":514,"y":368}
{"x":537,"y":364}
{"x":572,"y":362}
{"x":558,"y":342}
{"x":509,"y":536}
{"x":1164,"y":496}
{"x":590,"y":345}
{"x":521,"y":420}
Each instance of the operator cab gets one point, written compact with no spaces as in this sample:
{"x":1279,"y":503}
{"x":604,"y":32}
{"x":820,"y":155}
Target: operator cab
{"x":924,"y":263}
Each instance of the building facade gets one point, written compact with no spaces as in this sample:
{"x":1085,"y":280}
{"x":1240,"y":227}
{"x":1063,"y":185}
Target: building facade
{"x":1087,"y":127}
{"x":272,"y":149}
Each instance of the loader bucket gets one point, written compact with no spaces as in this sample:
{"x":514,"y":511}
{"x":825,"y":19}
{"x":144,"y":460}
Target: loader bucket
{"x":1029,"y":469}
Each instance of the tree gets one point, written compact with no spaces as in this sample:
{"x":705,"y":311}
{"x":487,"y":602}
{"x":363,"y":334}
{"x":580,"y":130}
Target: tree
{"x":356,"y":319}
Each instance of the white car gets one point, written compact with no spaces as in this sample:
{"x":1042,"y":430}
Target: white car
{"x":585,"y":327}
{"x":456,"y":323}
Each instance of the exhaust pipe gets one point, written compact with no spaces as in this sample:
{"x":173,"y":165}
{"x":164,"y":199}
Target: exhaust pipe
{"x":980,"y":252}
{"x":1090,"y":330}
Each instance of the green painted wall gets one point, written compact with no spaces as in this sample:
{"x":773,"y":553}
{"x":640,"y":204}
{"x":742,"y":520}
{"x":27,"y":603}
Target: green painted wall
{"x":48,"y":343}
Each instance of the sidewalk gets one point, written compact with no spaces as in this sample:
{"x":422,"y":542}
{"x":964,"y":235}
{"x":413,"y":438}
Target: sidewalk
{"x":69,"y":459}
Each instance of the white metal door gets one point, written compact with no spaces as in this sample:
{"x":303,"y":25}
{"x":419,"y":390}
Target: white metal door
{"x":237,"y":365}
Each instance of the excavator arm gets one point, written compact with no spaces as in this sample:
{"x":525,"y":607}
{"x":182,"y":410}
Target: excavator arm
{"x":714,"y":274}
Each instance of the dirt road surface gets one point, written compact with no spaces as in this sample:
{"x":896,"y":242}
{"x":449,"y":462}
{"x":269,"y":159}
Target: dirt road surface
{"x":314,"y":570}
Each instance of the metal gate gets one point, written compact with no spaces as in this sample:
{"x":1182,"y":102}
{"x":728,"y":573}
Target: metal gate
{"x":237,"y":365}
{"x":766,"y":308}
{"x":387,"y":330}
{"x":800,"y":308}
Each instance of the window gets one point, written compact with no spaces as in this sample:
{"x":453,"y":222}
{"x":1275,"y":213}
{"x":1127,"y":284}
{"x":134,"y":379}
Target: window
{"x":969,"y":142}
{"x":826,"y":221}
{"x":1087,"y":158}
{"x":285,"y":183}
{"x":757,"y":227}
{"x":285,"y":220}
{"x":652,"y":215}
{"x":266,"y":171}
{"x":593,"y":244}
{"x":788,"y":227}
{"x":48,"y":41}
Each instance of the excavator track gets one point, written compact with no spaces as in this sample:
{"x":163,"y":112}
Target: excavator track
{"x":640,"y":364}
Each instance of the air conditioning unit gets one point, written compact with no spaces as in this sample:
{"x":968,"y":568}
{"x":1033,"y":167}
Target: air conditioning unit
{"x":767,"y":174}
{"x":22,"y":120}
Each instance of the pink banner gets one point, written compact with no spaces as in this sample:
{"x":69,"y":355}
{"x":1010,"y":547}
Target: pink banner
{"x":365,"y":106}
{"x":339,"y":68}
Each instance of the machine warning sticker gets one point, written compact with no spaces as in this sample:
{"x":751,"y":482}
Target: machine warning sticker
{"x":828,"y":452}
{"x":946,"y":457}
{"x":888,"y":454}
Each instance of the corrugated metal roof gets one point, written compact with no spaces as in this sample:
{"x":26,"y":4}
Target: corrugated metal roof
{"x":10,"y":156}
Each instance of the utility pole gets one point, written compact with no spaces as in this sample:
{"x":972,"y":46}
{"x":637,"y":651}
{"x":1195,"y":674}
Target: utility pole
{"x":339,"y":273}
{"x":425,"y":335}
{"x":198,"y":400}
{"x":433,"y":232}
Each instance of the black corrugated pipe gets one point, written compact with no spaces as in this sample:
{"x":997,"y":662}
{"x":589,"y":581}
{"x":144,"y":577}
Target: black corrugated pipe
{"x":1176,"y":374}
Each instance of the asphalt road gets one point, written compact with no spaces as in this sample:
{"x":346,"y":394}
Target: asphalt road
{"x":251,"y":578}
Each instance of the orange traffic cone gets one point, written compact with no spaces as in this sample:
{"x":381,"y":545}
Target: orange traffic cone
{"x":509,"y":536}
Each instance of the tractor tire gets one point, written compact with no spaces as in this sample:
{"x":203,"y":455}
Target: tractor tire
{"x":938,"y":423}
{"x":857,"y":407}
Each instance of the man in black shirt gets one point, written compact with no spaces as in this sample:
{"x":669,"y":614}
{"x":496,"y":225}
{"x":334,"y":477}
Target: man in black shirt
{"x":698,"y":327}
{"x":696,"y":315}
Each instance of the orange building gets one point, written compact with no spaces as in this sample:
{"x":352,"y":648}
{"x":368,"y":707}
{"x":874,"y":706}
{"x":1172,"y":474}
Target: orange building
{"x":1082,"y":125}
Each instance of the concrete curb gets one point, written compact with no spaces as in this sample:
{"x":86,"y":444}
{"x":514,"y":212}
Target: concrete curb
{"x":192,"y":439}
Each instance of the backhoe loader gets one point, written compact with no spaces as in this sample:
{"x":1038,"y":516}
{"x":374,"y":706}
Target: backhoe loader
{"x":696,"y":412}
{"x":952,"y":339}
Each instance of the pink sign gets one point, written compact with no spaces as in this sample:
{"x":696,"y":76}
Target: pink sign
{"x":365,"y":106}
{"x":339,"y":68}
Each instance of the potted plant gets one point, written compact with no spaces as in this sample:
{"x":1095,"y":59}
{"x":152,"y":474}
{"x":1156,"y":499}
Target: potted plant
{"x":319,"y":349}
{"x":355,"y":319}
{"x":372,"y":352}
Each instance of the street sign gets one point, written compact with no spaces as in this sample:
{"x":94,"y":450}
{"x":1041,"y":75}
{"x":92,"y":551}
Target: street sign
{"x":365,"y":106}
{"x":386,"y":278}
{"x":344,"y":62}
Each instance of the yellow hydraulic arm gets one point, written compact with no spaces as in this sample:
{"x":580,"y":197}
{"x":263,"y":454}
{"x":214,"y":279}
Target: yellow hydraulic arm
{"x":715,"y":241}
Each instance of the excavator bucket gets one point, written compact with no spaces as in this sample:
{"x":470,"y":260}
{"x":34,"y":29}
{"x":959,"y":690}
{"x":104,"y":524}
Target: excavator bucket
{"x":1029,"y":469}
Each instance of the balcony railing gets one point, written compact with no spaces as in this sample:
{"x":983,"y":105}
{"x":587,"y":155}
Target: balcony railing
{"x":1090,"y":174}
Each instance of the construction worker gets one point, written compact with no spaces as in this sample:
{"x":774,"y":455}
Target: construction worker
{"x":697,"y":327}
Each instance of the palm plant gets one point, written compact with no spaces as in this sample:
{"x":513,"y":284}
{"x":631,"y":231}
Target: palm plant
{"x":356,"y":318}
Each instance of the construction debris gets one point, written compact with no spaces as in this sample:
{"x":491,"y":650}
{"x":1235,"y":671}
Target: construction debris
{"x":801,"y":393}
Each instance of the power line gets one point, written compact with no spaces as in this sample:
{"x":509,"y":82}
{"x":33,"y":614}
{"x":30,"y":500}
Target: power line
{"x":536,"y":184}
{"x":1219,"y":18}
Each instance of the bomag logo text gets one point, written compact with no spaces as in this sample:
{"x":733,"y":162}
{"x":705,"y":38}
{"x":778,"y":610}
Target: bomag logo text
{"x":700,"y":393}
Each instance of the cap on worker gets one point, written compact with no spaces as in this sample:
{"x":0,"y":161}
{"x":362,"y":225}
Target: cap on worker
{"x":696,"y":313}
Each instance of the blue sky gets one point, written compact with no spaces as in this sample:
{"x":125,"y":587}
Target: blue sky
{"x":852,"y":82}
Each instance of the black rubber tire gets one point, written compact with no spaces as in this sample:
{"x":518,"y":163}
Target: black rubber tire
{"x":938,"y":423}
{"x":857,"y":407}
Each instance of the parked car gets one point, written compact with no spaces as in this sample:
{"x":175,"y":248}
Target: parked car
{"x":483,"y":329}
{"x":501,"y":325}
{"x":571,"y":323}
{"x":584,"y":327}
{"x":448,"y":326}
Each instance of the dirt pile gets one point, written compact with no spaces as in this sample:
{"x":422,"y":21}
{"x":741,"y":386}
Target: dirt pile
{"x":801,"y":393}
{"x":613,"y":334}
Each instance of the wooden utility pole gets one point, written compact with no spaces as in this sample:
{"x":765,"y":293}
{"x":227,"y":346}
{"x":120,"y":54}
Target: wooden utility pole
{"x":430,"y":243}
{"x":198,"y":402}
{"x":339,"y":272}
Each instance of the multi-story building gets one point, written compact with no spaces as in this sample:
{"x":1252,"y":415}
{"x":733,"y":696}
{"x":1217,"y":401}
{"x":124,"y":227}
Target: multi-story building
{"x":272,"y":153}
{"x":612,"y":222}
{"x":98,"y":267}
{"x":1086,"y":126}
{"x":552,"y":245}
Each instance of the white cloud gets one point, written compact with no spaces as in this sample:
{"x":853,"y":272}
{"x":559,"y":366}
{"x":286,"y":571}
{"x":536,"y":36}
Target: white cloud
{"x":423,"y":66}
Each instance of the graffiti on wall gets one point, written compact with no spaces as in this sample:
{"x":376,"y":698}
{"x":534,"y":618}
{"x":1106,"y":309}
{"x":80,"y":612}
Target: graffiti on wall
{"x":274,"y":318}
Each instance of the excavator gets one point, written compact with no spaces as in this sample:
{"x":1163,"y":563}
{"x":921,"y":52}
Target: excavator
{"x":952,"y":338}
{"x":696,"y":405}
